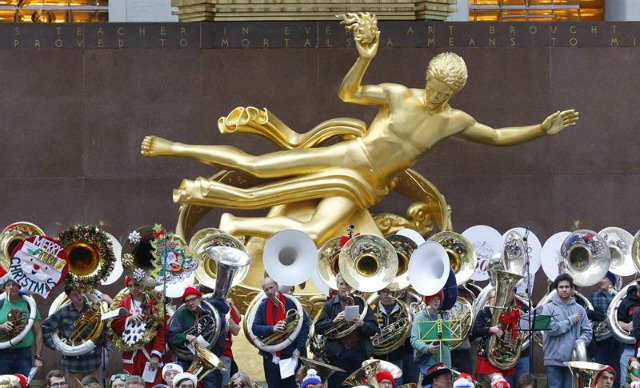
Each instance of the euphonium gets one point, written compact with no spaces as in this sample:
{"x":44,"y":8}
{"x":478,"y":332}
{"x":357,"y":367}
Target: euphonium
{"x":292,"y":317}
{"x":343,"y":328}
{"x":503,"y":352}
{"x":392,"y":336}
{"x":205,"y":362}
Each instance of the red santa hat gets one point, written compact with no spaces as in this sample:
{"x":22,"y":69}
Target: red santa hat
{"x":23,"y":380}
{"x":427,"y":298}
{"x":385,"y":375}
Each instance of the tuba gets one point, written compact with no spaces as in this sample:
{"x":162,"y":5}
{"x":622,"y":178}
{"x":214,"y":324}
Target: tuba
{"x":86,"y":330}
{"x":366,"y":375}
{"x":394,"y":335}
{"x":404,"y":247}
{"x":278,"y":340}
{"x":343,"y":328}
{"x":368,"y":263}
{"x":206,"y":271}
{"x":13,"y":235}
{"x":289,"y":257}
{"x":583,"y":373}
{"x":21,"y":322}
{"x":585,"y":256}
{"x":328,"y":267}
{"x":324,"y":370}
{"x":209,"y":325}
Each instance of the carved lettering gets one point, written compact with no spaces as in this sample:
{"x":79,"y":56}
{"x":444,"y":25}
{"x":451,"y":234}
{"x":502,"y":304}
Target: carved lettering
{"x":80,"y":42}
{"x":573,"y":42}
{"x":450,"y":30}
{"x":287,"y":31}
{"x":532,"y":30}
{"x":307,"y":30}
{"x":513,"y":41}
{"x":614,"y":42}
{"x":552,"y":42}
{"x":430,"y":30}
{"x":286,"y":42}
{"x":614,"y":29}
{"x":183,"y":43}
{"x":183,"y":31}
{"x":245,"y":43}
{"x":451,"y":42}
{"x":142,"y":31}
{"x":410,"y":30}
{"x":327,"y":30}
{"x":16,"y":43}
{"x":594,"y":30}
{"x":492,"y":30}
{"x":245,"y":31}
{"x":120,"y":31}
{"x":17,"y":31}
{"x":431,"y":42}
{"x":389,"y":43}
{"x":36,"y":43}
{"x":572,"y":30}
{"x":472,"y":42}
{"x":58,"y":43}
{"x":492,"y":42}
{"x":163,"y":31}
{"x":224,"y":43}
{"x":100,"y":31}
{"x":553,"y":29}
{"x":100,"y":43}
{"x":329,"y":43}
{"x":307,"y":43}
{"x":162,"y":42}
{"x":120,"y":43}
{"x":265,"y":42}
{"x":58,"y":29}
{"x":80,"y":31}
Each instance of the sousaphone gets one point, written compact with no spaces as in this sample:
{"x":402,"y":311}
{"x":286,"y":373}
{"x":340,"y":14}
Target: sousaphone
{"x":368,"y":263}
{"x":289,"y":257}
{"x":328,"y":267}
{"x":404,"y":247}
{"x":585,"y":256}
{"x":90,"y":251}
{"x":620,"y":243}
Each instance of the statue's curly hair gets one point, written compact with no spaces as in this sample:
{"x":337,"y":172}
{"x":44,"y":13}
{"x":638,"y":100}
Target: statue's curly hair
{"x":450,"y":69}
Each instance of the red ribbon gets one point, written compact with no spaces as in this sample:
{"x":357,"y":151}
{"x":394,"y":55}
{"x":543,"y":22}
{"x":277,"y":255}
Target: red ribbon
{"x":509,"y":320}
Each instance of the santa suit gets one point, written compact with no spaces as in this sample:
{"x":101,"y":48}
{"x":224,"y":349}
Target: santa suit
{"x":135,"y":361}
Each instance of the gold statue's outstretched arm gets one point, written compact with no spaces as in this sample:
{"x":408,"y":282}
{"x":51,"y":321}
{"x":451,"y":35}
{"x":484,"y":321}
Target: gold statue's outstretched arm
{"x":554,"y":123}
{"x":367,"y":38}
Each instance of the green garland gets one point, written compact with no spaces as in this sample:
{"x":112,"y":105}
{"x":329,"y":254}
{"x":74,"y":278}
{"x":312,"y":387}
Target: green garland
{"x":153,"y":315}
{"x":98,"y":239}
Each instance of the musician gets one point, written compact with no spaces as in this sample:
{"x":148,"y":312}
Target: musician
{"x":169,"y":372}
{"x":410,"y":369}
{"x":186,"y":380}
{"x":55,"y":379}
{"x":187,"y":319}
{"x":135,"y":382}
{"x":389,"y":311}
{"x":436,"y":350}
{"x":64,"y":320}
{"x":607,"y":351}
{"x":629,"y":304}
{"x":311,"y":380}
{"x":119,"y":380}
{"x":385,"y":379}
{"x":483,"y":330}
{"x":17,"y":358}
{"x":270,"y":318}
{"x":605,"y":378}
{"x":233,"y":329}
{"x":569,"y":323}
{"x":439,"y":376}
{"x":140,"y":308}
{"x":351,"y":350}
{"x":241,"y":380}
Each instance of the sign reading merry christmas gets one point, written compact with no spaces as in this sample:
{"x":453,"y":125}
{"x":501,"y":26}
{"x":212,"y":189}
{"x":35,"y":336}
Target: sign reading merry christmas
{"x":38,"y":264}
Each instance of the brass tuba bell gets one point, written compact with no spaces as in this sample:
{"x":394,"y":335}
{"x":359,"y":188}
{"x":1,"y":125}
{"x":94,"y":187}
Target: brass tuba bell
{"x":404,"y":247}
{"x":324,"y":370}
{"x":328,"y":267}
{"x":368,"y":263}
{"x":205,"y":362}
{"x":462,"y":256}
{"x":207,"y":269}
{"x":583,"y":373}
{"x":585,"y":256}
{"x":13,"y":235}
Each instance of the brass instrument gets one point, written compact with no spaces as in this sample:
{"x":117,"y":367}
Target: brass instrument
{"x":404,"y":247}
{"x":504,"y":352}
{"x":462,"y":256}
{"x":579,"y":351}
{"x":394,"y":335}
{"x":289,"y":257}
{"x":620,"y":243}
{"x":86,"y":330}
{"x":429,"y":268}
{"x":137,"y":255}
{"x":10,"y":381}
{"x":585,"y":256}
{"x":205,"y":362}
{"x":13,"y":235}
{"x":279,"y":340}
{"x":584,"y":301}
{"x":21,"y":323}
{"x":137,"y":335}
{"x":366,"y":375}
{"x":583,"y":373}
{"x":328,"y":267}
{"x":324,"y":370}
{"x":343,"y":328}
{"x":207,"y":268}
{"x":617,"y":331}
{"x":229,"y":260}
{"x":368,"y":263}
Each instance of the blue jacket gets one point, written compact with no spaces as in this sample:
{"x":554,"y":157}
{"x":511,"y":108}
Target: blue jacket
{"x":261,"y":329}
{"x":559,"y":341}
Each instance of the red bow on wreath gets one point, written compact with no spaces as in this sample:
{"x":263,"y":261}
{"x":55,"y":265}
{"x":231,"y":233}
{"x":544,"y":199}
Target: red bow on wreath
{"x":509,"y":320}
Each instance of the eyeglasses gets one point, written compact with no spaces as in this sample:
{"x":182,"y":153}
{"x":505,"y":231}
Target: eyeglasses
{"x":385,"y":383}
{"x":56,"y":385}
{"x":191,"y":300}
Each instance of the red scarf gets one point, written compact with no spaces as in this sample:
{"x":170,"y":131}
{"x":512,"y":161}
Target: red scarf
{"x":271,"y":320}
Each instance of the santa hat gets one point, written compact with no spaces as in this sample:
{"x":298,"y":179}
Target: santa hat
{"x":23,"y":380}
{"x":311,"y":378}
{"x":384,"y":375}
{"x":172,"y":366}
{"x":427,"y":298}
{"x":464,"y":380}
{"x":190,"y":291}
{"x":185,"y":376}
{"x":498,"y":381}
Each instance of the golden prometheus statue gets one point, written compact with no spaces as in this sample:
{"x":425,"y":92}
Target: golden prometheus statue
{"x":318,"y":189}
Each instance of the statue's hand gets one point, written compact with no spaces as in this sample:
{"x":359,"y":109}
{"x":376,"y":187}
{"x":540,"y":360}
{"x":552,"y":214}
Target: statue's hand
{"x":558,"y":121}
{"x":364,"y":27}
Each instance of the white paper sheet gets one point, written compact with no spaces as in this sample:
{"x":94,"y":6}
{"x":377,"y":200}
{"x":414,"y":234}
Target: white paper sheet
{"x":288,"y":367}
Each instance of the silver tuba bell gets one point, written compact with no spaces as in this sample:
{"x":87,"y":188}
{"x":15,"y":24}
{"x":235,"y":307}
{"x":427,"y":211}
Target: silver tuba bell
{"x":368,"y":263}
{"x":585,"y":256}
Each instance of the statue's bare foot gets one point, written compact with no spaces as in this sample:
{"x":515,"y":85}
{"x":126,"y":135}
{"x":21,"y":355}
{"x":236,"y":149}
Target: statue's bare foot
{"x":227,"y":223}
{"x":156,"y":146}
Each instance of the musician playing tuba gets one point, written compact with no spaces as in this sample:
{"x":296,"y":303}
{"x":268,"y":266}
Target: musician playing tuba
{"x":429,"y":335}
{"x":271,"y":317}
{"x":394,"y":322}
{"x":348,"y":351}
{"x":628,"y":305}
{"x":19,"y":317}
{"x":196,"y":319}
{"x":142,"y":315}
{"x":608,"y":349}
{"x":66,"y":320}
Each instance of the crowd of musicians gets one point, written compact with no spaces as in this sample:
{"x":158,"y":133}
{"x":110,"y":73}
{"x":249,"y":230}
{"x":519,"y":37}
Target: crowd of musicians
{"x":395,"y":337}
{"x":430,"y":363}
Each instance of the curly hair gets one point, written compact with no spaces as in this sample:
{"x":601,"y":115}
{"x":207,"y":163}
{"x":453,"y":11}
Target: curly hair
{"x":450,"y":69}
